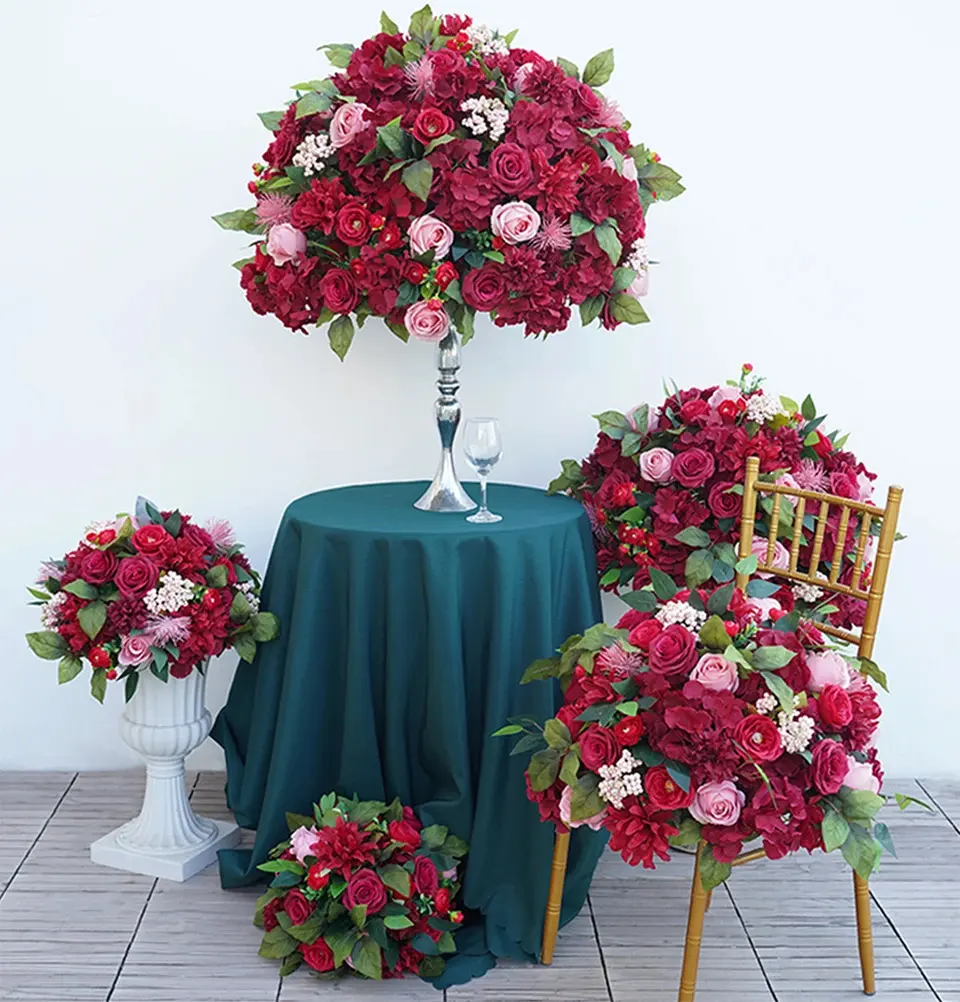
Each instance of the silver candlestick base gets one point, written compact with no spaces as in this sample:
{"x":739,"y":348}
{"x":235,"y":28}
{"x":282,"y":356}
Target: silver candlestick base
{"x":445,"y":492}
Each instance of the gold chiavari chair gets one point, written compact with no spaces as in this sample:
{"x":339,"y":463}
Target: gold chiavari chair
{"x":868,"y":515}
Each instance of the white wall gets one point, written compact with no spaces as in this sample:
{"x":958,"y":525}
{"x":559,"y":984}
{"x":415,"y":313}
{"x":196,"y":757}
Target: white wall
{"x":818,"y":239}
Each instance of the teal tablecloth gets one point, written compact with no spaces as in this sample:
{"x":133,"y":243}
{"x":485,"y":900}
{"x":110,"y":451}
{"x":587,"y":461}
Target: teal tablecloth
{"x":404,"y":635}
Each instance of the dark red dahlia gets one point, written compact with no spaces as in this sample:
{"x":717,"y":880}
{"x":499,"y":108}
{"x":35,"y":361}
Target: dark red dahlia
{"x":639,"y":833}
{"x":343,"y":847}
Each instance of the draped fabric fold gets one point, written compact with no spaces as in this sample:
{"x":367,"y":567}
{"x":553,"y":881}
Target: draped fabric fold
{"x":404,"y":636}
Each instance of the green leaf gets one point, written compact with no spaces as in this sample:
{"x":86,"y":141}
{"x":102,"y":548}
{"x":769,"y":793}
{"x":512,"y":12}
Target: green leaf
{"x":903,"y":802}
{"x":698,"y":568}
{"x":98,"y":684}
{"x":861,"y":851}
{"x":69,"y":668}
{"x":307,"y":932}
{"x":628,"y":310}
{"x":613,"y":423}
{"x":392,"y":57}
{"x":693,"y":536}
{"x":266,"y":627}
{"x":418,"y":178}
{"x":557,"y":735}
{"x":48,"y":644}
{"x":340,"y":939}
{"x":585,"y":800}
{"x":424,"y":944}
{"x":507,"y":730}
{"x":599,"y":68}
{"x":642,"y":601}
{"x":778,"y":687}
{"x":540,"y":669}
{"x":663,"y":585}
{"x":240,"y":608}
{"x":130,"y":686}
{"x":340,"y":334}
{"x":680,"y":774}
{"x":590,"y":309}
{"x":860,"y":805}
{"x":92,"y":617}
{"x":579,"y":224}
{"x":388,"y":26}
{"x":571,"y":69}
{"x":712,"y":873}
{"x":872,"y":670}
{"x":397,"y":922}
{"x":758,"y":588}
{"x":714,"y":634}
{"x":772,"y":657}
{"x":747,"y":565}
{"x":544,"y":768}
{"x":245,"y":646}
{"x":277,"y":944}
{"x":610,"y":244}
{"x":217,"y":576}
{"x":528,"y":743}
{"x":412,"y":50}
{"x":421,"y":25}
{"x":808,"y":408}
{"x":271,"y":119}
{"x":358,"y":915}
{"x":688,"y":834}
{"x":283,"y":866}
{"x":291,"y":963}
{"x":295,"y":821}
{"x":242,"y":220}
{"x":882,"y":834}
{"x":834,"y":829}
{"x":719,"y":601}
{"x":570,"y":767}
{"x":82,"y":589}
{"x":41,"y":596}
{"x":339,"y":55}
{"x":396,"y":878}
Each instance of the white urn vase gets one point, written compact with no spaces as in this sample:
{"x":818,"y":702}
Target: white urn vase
{"x":164,"y":722}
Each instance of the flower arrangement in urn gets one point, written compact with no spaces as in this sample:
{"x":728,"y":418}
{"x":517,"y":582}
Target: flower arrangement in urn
{"x":444,"y":172}
{"x":153,"y":591}
{"x":703,"y":716}
{"x":362,"y":886}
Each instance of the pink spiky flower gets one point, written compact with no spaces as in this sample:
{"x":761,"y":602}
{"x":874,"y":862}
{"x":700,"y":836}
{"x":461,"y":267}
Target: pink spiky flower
{"x":221,"y":532}
{"x":48,"y":570}
{"x":811,"y":476}
{"x":419,"y":76}
{"x":273,"y":209}
{"x":554,"y":235}
{"x":609,"y":115}
{"x":618,"y":662}
{"x":167,"y":630}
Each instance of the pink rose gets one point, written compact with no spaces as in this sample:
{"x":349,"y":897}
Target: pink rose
{"x":347,"y":122}
{"x":427,"y":320}
{"x":302,"y":842}
{"x":286,"y":243}
{"x":722,"y":393}
{"x":520,"y":76}
{"x":656,"y":465}
{"x":640,"y":285}
{"x":714,"y":671}
{"x":787,"y":480}
{"x":135,"y":650}
{"x":595,"y":822}
{"x":718,"y":803}
{"x":859,"y":776}
{"x":781,"y":555}
{"x":429,"y":233}
{"x":629,"y":167}
{"x":765,"y":606}
{"x":827,"y":668}
{"x":515,"y":222}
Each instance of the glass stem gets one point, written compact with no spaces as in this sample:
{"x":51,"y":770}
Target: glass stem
{"x":483,"y":492}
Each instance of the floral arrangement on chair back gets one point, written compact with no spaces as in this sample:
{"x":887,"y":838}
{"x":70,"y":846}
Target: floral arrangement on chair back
{"x":153,"y":590}
{"x":442,"y":172}
{"x":663,"y":486}
{"x":701,"y":716}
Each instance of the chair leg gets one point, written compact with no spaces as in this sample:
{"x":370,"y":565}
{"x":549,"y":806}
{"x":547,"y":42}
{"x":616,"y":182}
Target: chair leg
{"x":699,"y":899}
{"x":551,"y":920}
{"x":861,"y":895}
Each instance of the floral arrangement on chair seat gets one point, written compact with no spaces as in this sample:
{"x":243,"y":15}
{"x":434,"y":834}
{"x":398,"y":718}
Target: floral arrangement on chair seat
{"x":663,"y":486}
{"x":362,"y":886}
{"x":153,"y":591}
{"x":701,"y":717}
{"x":442,"y":172}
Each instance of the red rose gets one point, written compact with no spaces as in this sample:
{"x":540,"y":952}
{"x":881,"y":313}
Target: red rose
{"x":485,"y":288}
{"x":211,"y":599}
{"x":759,"y":737}
{"x":431,"y":123}
{"x":598,"y":746}
{"x":722,"y":503}
{"x":673,"y":651}
{"x":693,"y":468}
{"x":836,"y":709}
{"x":414,"y":271}
{"x":425,"y":877}
{"x":511,"y":169}
{"x":696,"y":412}
{"x":297,"y":906}
{"x":441,"y":902}
{"x":445,"y":274}
{"x":98,"y":567}
{"x":270,"y":910}
{"x":365,"y":888}
{"x":353,"y":225}
{"x":149,"y":538}
{"x":730,"y":410}
{"x":643,"y":634}
{"x":663,"y":793}
{"x":339,"y":290}
{"x":403,"y":831}
{"x":629,"y":730}
{"x":317,"y":879}
{"x":136,"y":576}
{"x":317,"y":955}
{"x":824,"y":446}
{"x":99,"y":658}
{"x":829,"y":766}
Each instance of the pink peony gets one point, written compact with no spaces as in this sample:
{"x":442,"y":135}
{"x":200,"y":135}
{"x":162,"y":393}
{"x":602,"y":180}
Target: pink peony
{"x":515,"y":222}
{"x":827,"y":668}
{"x":714,"y":671}
{"x":609,"y":114}
{"x":427,"y":320}
{"x":595,"y":822}
{"x":718,"y":803}
{"x":860,"y":776}
{"x":303,"y":842}
{"x":629,"y":167}
{"x":286,"y":243}
{"x":656,"y":465}
{"x":428,"y":233}
{"x":135,"y":650}
{"x":722,"y":393}
{"x":347,"y":123}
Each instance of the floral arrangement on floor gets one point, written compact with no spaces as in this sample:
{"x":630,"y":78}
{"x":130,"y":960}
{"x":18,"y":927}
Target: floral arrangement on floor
{"x":441,"y":173}
{"x":362,"y":886}
{"x":153,"y":591}
{"x":700,"y":718}
{"x":663,"y":487}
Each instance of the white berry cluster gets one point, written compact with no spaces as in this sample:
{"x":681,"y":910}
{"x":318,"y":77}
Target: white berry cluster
{"x":174,"y":593}
{"x":50,"y":613}
{"x":249,"y":592}
{"x":620,"y":780}
{"x":807,"y":592}
{"x":767,"y":703}
{"x":483,"y":40}
{"x":795,"y":730}
{"x":313,"y":153}
{"x":682,"y":613}
{"x":637,"y":258}
{"x":487,"y":116}
{"x":763,"y":407}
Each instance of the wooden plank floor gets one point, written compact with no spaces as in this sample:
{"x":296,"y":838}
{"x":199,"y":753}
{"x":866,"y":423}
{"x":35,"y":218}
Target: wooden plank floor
{"x":74,"y":932}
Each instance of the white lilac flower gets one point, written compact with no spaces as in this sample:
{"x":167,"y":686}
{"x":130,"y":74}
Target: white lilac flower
{"x":796,"y":731}
{"x":807,"y":592}
{"x":637,"y":258}
{"x":173,"y":593}
{"x":250,"y":593}
{"x":620,"y":780}
{"x":767,"y":703}
{"x":763,"y":407}
{"x":313,"y":153}
{"x":487,"y":116}
{"x":682,"y":613}
{"x":483,"y":40}
{"x":50,"y":612}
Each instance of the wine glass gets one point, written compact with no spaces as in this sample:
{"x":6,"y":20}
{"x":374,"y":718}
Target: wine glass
{"x":482,"y":447}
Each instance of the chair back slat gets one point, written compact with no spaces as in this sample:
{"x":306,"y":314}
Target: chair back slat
{"x":865,"y":520}
{"x":798,"y":515}
{"x":820,"y":533}
{"x":836,"y":561}
{"x":774,"y":528}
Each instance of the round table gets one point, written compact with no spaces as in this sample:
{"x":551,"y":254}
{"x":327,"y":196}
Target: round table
{"x":404,"y":635}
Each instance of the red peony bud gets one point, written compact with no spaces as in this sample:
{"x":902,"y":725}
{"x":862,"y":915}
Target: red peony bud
{"x":731,"y":628}
{"x":99,"y":658}
{"x":414,"y":272}
{"x":211,"y":599}
{"x":252,"y":187}
{"x":112,"y":674}
{"x":358,"y":267}
{"x":377,"y":221}
{"x":445,"y":274}
{"x":106,"y":537}
{"x":497,"y":243}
